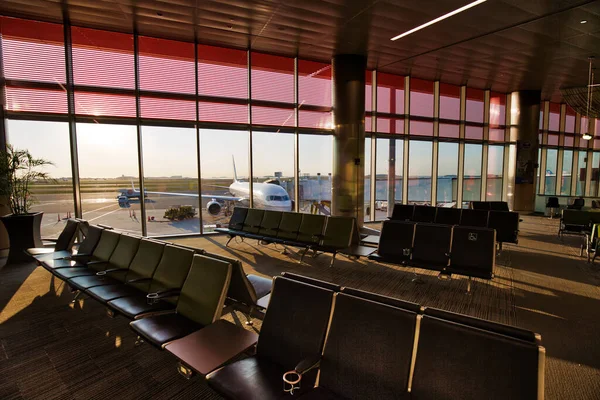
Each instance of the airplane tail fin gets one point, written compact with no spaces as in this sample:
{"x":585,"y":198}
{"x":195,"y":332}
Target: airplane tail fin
{"x":235,"y":178}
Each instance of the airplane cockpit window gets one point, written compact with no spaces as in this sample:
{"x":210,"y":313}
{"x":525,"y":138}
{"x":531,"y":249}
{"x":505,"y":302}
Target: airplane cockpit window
{"x":278,"y":198}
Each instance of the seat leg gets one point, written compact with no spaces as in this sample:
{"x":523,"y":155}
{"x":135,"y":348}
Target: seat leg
{"x":110,"y":313}
{"x":302,"y":254}
{"x":332,"y":260}
{"x":417,"y":279}
{"x":468,"y":287}
{"x":248,"y":316}
{"x":285,"y":251}
{"x":139,"y":341}
{"x":230,"y":239}
{"x":77,"y":294}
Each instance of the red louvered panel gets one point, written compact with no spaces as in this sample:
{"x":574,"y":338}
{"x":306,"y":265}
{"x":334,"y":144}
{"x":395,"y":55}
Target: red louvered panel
{"x":554,"y":117}
{"x":102,"y":58}
{"x":390,"y":94}
{"x":421,"y":128}
{"x":449,"y":130}
{"x":368,"y":91}
{"x":497,"y":109}
{"x":272,"y":78}
{"x":315,"y":119}
{"x":314,"y":83}
{"x":421,"y":98}
{"x":222,"y":72}
{"x":496,"y":134}
{"x":390,"y":125}
{"x":449,"y":101}
{"x":222,"y":112}
{"x":570,"y":120}
{"x":36,"y":100}
{"x":272,"y":116}
{"x":475,"y":105}
{"x":166,"y":65}
{"x":158,"y":108}
{"x":368,"y":124}
{"x":474,"y":132}
{"x":104,"y":104}
{"x":569,"y":141}
{"x":33,"y":51}
{"x":552,"y":140}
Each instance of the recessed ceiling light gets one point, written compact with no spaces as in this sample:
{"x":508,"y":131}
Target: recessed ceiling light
{"x":438,"y":19}
{"x":583,"y":21}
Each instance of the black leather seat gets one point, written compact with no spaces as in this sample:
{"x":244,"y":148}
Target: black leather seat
{"x":480,"y":205}
{"x":473,"y":252}
{"x":499,"y":206}
{"x":403,"y":212}
{"x":577,"y":204}
{"x":199,"y":304}
{"x":395,"y":243}
{"x":506,"y":224}
{"x":311,"y":281}
{"x":474,"y":218}
{"x":236,"y":223}
{"x":391,"y":301}
{"x":164,"y":288}
{"x":87,"y":247}
{"x":62,"y":247}
{"x":448,"y":216}
{"x":293,"y":330}
{"x":431,"y":246}
{"x":262,"y":286}
{"x":424,"y":214}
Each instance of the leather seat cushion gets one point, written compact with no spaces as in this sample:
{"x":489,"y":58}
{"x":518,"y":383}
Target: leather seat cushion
{"x":254,"y":378}
{"x":72,"y":272}
{"x":133,"y":306}
{"x":262,"y":286}
{"x":106,"y":293}
{"x":52,"y":255}
{"x":86,"y":282}
{"x":161,"y":329}
{"x":320,"y":393}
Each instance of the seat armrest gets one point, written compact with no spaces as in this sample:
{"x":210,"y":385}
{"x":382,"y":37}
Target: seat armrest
{"x":308,"y":364}
{"x":100,"y":273}
{"x":156,"y":296}
{"x":76,"y":256}
{"x":139,"y":280}
{"x":96,"y":262}
{"x":292,"y":379}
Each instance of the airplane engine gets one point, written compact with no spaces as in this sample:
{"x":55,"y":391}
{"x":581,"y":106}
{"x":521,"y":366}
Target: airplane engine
{"x":213,"y":207}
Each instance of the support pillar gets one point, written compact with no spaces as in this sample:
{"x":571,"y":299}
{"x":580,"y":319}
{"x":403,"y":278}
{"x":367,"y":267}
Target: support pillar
{"x":525,"y":119}
{"x":348,"y":189}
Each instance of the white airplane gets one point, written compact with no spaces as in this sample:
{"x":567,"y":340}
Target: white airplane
{"x":268,"y":195}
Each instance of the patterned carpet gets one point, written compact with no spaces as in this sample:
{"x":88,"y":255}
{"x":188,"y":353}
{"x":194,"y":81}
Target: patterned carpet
{"x":52,"y":349}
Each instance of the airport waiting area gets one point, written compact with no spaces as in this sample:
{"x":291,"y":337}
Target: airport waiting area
{"x":317,"y":200}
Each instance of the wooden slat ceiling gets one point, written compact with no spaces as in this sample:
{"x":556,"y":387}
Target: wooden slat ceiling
{"x":504,"y":45}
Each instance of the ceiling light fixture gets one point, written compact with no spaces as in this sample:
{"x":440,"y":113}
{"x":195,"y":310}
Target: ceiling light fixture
{"x":438,"y":19}
{"x":590,"y":93}
{"x":583,"y":21}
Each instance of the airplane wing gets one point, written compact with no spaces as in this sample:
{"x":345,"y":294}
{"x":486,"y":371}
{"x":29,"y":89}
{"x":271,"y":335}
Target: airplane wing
{"x":206,"y":196}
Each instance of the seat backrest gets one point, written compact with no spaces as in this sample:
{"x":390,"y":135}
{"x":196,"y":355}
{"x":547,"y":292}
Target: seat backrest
{"x":106,"y":245}
{"x":499,"y":206}
{"x":253,"y":220}
{"x":354,"y":367}
{"x":424,"y":214}
{"x":506,"y":224}
{"x":403,"y":212}
{"x":288,"y":228}
{"x":552,"y":202}
{"x":576,"y":217}
{"x":473,"y":251}
{"x":396,"y":240}
{"x":338,"y":232}
{"x":92,"y":237}
{"x":295,"y":323}
{"x":594,"y":217}
{"x":390,"y":301}
{"x":311,"y":228}
{"x":67,"y":236}
{"x":204,"y":290}
{"x":455,"y":360}
{"x":502,"y":329}
{"x":237,"y":218}
{"x":240,"y":288}
{"x":312,"y":281}
{"x":474,"y":218}
{"x":172,"y":269}
{"x":578,"y":203}
{"x":480,"y":205}
{"x":431,"y":246}
{"x":270,"y":223}
{"x":448,"y":216}
{"x":125,"y":251}
{"x":145,"y":262}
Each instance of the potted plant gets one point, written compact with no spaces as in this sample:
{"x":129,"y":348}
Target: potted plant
{"x":18,"y":170}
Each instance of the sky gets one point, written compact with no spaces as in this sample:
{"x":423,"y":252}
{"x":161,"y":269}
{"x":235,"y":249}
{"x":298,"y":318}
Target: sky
{"x":110,"y":151}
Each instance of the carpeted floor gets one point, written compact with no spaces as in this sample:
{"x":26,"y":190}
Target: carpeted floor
{"x":52,"y":349}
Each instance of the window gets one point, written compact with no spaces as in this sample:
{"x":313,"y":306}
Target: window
{"x":570,"y":120}
{"x":171,"y":169}
{"x":368,"y":91}
{"x":166,"y":65}
{"x":367,"y":179}
{"x":315,"y":154}
{"x":314,"y":83}
{"x":551,"y":161}
{"x":273,"y":169}
{"x":472,"y":174}
{"x":449,"y":102}
{"x":449,"y":130}
{"x":421,"y":98}
{"x":109,"y":175}
{"x":421,"y":128}
{"x":447,"y":173}
{"x":388,"y":176}
{"x":495,"y":173}
{"x":554,"y":121}
{"x":497,"y":111}
{"x":552,"y":140}
{"x":475,"y":105}
{"x":223,"y":156}
{"x":567,"y":169}
{"x":50,"y":141}
{"x":390,"y":93}
{"x":272,"y":78}
{"x":419,"y":172}
{"x":581,"y":173}
{"x":474,"y":132}
{"x":594,"y":180}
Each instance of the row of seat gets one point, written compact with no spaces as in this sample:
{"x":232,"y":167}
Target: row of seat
{"x":367,"y":346}
{"x":140,"y":278}
{"x":577,"y":222}
{"x":489,"y":205}
{"x":307,"y":231}
{"x":506,"y":223}
{"x":460,"y":250}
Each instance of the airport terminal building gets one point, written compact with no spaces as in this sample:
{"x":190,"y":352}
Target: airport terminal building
{"x":255,"y":188}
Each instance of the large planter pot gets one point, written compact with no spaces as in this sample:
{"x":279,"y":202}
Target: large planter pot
{"x":23,"y":233}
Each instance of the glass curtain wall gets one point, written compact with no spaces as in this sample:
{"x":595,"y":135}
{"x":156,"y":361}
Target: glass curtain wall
{"x":367,"y":179}
{"x":315,"y":173}
{"x":567,"y":169}
{"x":447,"y":174}
{"x":419,"y":172}
{"x":581,"y":173}
{"x":550,"y":171}
{"x":388,"y":177}
{"x":495,"y":173}
{"x":472,"y":174}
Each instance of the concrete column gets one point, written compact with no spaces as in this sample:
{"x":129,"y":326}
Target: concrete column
{"x":349,"y":140}
{"x":525,"y":119}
